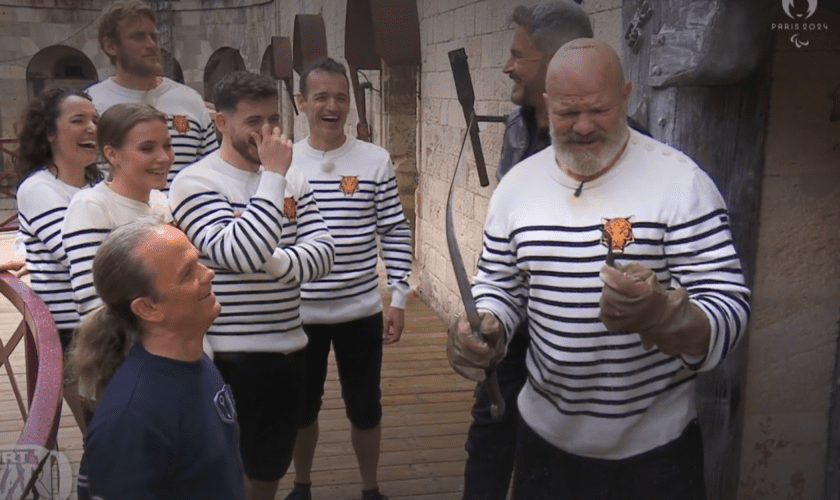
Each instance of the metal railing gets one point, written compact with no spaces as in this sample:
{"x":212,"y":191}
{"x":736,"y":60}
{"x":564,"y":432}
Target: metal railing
{"x":29,"y":467}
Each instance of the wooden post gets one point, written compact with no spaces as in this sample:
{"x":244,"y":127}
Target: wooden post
{"x":711,"y":101}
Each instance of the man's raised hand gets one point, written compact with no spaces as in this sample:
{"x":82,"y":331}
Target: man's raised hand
{"x":274,"y":149}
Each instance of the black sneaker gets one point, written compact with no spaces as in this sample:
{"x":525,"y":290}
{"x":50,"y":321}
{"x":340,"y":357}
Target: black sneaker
{"x":300,"y":492}
{"x":373,"y":495}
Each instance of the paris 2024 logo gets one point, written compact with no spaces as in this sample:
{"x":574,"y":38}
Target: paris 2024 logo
{"x":799,"y":11}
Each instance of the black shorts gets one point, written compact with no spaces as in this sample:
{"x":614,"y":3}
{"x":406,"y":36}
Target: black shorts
{"x":65,"y":336}
{"x":358,"y":355}
{"x":268,"y":390}
{"x":673,"y":471}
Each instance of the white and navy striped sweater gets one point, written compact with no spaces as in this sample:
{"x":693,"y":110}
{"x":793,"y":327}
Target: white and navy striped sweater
{"x":187,"y":119}
{"x":263,"y":236}
{"x":357,"y":195}
{"x":42,"y":202}
{"x":92,"y":214}
{"x":593,"y":392}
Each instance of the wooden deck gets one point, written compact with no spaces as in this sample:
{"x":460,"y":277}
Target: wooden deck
{"x":425,"y":405}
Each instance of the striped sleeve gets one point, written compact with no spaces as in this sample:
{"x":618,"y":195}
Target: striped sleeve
{"x":395,"y":238}
{"x":701,"y":256}
{"x":241,"y":242}
{"x":40,"y":217}
{"x":499,"y":286}
{"x":312,"y":254}
{"x":84,"y":230}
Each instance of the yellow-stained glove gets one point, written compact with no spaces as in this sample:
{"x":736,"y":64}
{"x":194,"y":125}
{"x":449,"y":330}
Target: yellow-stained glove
{"x":633,"y":300}
{"x":468,"y":354}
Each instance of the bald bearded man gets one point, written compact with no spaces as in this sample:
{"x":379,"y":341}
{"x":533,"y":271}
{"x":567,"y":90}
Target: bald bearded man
{"x":608,"y":410}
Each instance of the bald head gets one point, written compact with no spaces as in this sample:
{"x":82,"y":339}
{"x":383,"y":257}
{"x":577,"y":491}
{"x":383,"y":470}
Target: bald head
{"x":586,"y":97}
{"x":587,"y":59}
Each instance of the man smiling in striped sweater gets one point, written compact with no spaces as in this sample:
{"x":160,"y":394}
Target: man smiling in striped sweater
{"x":609,"y":403}
{"x":354,"y":184}
{"x":255,"y":222}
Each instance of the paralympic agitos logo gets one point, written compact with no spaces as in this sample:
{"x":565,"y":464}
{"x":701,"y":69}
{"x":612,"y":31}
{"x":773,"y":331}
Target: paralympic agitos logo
{"x":795,"y":9}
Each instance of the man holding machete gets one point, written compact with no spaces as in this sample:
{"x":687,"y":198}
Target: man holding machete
{"x":609,"y":401}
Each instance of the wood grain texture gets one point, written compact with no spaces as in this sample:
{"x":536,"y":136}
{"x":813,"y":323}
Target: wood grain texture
{"x":723,"y":128}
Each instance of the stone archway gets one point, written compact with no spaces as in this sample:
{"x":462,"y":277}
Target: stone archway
{"x":59,"y":66}
{"x":224,"y":61}
{"x":173,"y":72}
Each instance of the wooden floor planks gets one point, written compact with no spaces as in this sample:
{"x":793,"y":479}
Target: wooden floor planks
{"x":425,"y":419}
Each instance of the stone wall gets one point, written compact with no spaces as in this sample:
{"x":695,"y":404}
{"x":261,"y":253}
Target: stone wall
{"x":796,"y":298}
{"x":24,"y":31}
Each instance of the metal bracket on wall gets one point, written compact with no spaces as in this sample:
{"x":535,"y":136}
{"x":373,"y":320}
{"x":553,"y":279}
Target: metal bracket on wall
{"x":634,"y":30}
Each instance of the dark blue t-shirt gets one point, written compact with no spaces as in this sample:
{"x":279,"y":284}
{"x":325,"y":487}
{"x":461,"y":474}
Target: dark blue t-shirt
{"x":164,"y":429}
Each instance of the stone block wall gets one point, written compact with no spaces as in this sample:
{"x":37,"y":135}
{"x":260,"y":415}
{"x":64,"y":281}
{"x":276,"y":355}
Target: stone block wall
{"x":796,"y":297}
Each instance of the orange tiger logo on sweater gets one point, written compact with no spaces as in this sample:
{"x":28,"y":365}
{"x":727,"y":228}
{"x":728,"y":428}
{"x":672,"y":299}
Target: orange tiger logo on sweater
{"x":349,"y":184}
{"x":180,"y":123}
{"x":290,"y":208}
{"x":617,"y":233}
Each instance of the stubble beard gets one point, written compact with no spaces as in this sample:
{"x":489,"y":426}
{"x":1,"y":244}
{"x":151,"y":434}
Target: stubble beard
{"x":139,"y":68}
{"x":243,"y":147}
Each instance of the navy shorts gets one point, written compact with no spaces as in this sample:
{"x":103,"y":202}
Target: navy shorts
{"x":65,"y":336}
{"x":268,"y":390}
{"x":358,"y":355}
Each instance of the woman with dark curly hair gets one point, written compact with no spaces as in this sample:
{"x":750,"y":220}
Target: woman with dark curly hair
{"x":56,"y":158}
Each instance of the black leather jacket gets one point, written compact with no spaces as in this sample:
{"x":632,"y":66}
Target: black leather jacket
{"x":521,"y":140}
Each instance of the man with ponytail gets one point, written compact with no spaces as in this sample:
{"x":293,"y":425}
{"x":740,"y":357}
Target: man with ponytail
{"x":164,"y":424}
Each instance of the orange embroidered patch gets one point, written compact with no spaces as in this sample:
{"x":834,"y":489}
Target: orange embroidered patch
{"x":290,"y":208}
{"x":349,"y":184}
{"x":617,"y":233}
{"x":180,"y":123}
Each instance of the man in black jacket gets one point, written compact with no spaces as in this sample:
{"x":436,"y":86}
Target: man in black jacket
{"x":542,"y":29}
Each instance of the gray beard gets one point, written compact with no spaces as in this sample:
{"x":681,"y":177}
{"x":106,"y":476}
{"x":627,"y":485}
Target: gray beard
{"x":587,"y":164}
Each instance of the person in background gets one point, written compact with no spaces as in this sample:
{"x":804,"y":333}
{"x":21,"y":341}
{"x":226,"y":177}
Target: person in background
{"x":56,"y":159}
{"x":129,"y":37}
{"x":164,"y":425}
{"x":353,"y":182}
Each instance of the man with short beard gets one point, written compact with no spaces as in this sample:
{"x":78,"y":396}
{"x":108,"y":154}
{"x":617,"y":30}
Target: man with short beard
{"x":609,"y":402}
{"x":541,"y":30}
{"x":129,"y":36}
{"x":256,"y":224}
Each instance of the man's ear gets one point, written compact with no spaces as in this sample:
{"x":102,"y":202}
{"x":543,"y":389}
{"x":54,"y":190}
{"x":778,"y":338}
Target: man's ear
{"x":221,"y":122}
{"x":301,"y":102}
{"x":628,"y":87}
{"x":110,"y":46}
{"x":146,"y":309}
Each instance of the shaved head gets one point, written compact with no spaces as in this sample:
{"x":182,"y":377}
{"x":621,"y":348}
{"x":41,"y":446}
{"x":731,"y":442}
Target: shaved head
{"x":587,"y":59}
{"x":586,"y":96}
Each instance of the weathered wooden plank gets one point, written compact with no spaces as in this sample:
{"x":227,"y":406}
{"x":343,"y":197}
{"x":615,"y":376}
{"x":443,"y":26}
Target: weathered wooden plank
{"x":722,"y":128}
